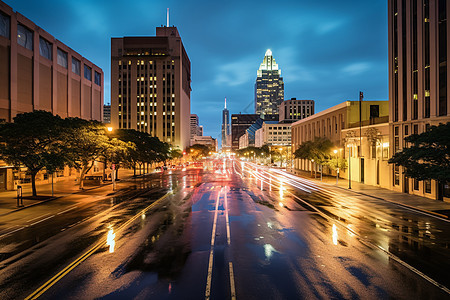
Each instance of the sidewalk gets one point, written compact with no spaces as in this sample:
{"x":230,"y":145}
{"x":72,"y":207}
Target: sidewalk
{"x":8,"y":199}
{"x":435,"y":207}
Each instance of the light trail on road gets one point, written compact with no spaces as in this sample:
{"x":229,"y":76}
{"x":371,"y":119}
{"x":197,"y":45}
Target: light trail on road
{"x":296,"y":182}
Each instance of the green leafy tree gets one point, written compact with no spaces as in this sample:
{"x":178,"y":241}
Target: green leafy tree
{"x":142,"y":148}
{"x":335,"y":163}
{"x":318,"y":150}
{"x":34,"y":141}
{"x":198,"y":151}
{"x":175,"y":154}
{"x":428,"y":156}
{"x":87,"y":142}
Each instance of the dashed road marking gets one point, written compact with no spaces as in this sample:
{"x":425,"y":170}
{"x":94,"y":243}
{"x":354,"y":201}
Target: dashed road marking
{"x":211,"y":252}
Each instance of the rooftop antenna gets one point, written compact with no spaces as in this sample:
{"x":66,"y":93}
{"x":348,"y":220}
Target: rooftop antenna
{"x":167,"y":17}
{"x":225,"y":102}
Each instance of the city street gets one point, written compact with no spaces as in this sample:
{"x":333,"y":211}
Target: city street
{"x":225,"y":231}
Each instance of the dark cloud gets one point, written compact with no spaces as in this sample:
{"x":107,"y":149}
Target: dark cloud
{"x":327,"y":50}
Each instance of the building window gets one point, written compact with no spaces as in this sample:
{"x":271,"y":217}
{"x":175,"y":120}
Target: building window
{"x":97,"y":78}
{"x":62,"y":58}
{"x":426,"y":51}
{"x":75,"y":66}
{"x":442,"y":28}
{"x":24,"y":37}
{"x":416,"y":184}
{"x":4,"y":25}
{"x":45,"y":48}
{"x":396,"y":174}
{"x":87,"y":72}
{"x":427,"y":186}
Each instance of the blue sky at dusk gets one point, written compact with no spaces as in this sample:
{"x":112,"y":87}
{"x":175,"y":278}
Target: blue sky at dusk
{"x":327,"y":50}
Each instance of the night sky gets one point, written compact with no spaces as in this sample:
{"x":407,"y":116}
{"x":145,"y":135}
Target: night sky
{"x":327,"y":50}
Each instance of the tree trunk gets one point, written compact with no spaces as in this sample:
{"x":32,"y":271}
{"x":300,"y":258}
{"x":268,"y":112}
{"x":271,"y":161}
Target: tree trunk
{"x":134,"y":170}
{"x":82,"y":172}
{"x":104,"y":169}
{"x":33,"y":184}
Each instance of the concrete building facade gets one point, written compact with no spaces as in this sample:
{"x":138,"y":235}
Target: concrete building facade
{"x":39,"y":72}
{"x":193,"y":126}
{"x":293,"y":110}
{"x":332,"y":122}
{"x":151,"y":85}
{"x":107,"y":114}
{"x":273,"y":134}
{"x":205,"y":140}
{"x":239,"y":124}
{"x":419,"y":96}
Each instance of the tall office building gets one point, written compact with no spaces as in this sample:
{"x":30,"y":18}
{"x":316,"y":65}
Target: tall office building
{"x":418,"y":79}
{"x":269,"y":87}
{"x":239,"y":124}
{"x":293,"y":110}
{"x":193,"y":126}
{"x":151,"y":85}
{"x":106,"y":114}
{"x":226,"y":130}
{"x":39,"y":72}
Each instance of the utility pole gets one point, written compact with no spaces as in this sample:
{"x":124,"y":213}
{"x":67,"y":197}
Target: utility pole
{"x":361,"y":97}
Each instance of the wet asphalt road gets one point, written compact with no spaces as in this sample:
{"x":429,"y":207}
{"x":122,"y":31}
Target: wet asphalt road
{"x":230,"y":230}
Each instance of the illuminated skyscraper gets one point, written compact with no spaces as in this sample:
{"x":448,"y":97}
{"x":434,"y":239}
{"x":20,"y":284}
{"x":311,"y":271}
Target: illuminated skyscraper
{"x":226,"y":132}
{"x":269,"y":87}
{"x":151,"y":85}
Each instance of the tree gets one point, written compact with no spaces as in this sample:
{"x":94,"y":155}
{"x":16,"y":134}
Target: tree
{"x":142,"y":148}
{"x":428,"y":157}
{"x":33,"y":140}
{"x":197,"y":151}
{"x":86,"y":142}
{"x":335,"y":163}
{"x":318,"y":150}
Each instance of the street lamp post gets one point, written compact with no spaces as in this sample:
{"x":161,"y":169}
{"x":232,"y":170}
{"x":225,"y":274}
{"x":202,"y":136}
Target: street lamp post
{"x":349,"y":167}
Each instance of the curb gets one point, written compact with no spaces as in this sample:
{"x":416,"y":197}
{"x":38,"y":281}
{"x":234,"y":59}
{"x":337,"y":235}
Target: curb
{"x":399,"y":204}
{"x":379,"y":198}
{"x":54,"y":198}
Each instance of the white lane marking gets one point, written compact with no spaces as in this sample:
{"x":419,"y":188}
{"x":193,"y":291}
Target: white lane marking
{"x":8,"y":233}
{"x":233,"y":289}
{"x":37,"y":218}
{"x":211,"y":252}
{"x":226,"y":218}
{"x":40,"y":221}
{"x":69,"y":209}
